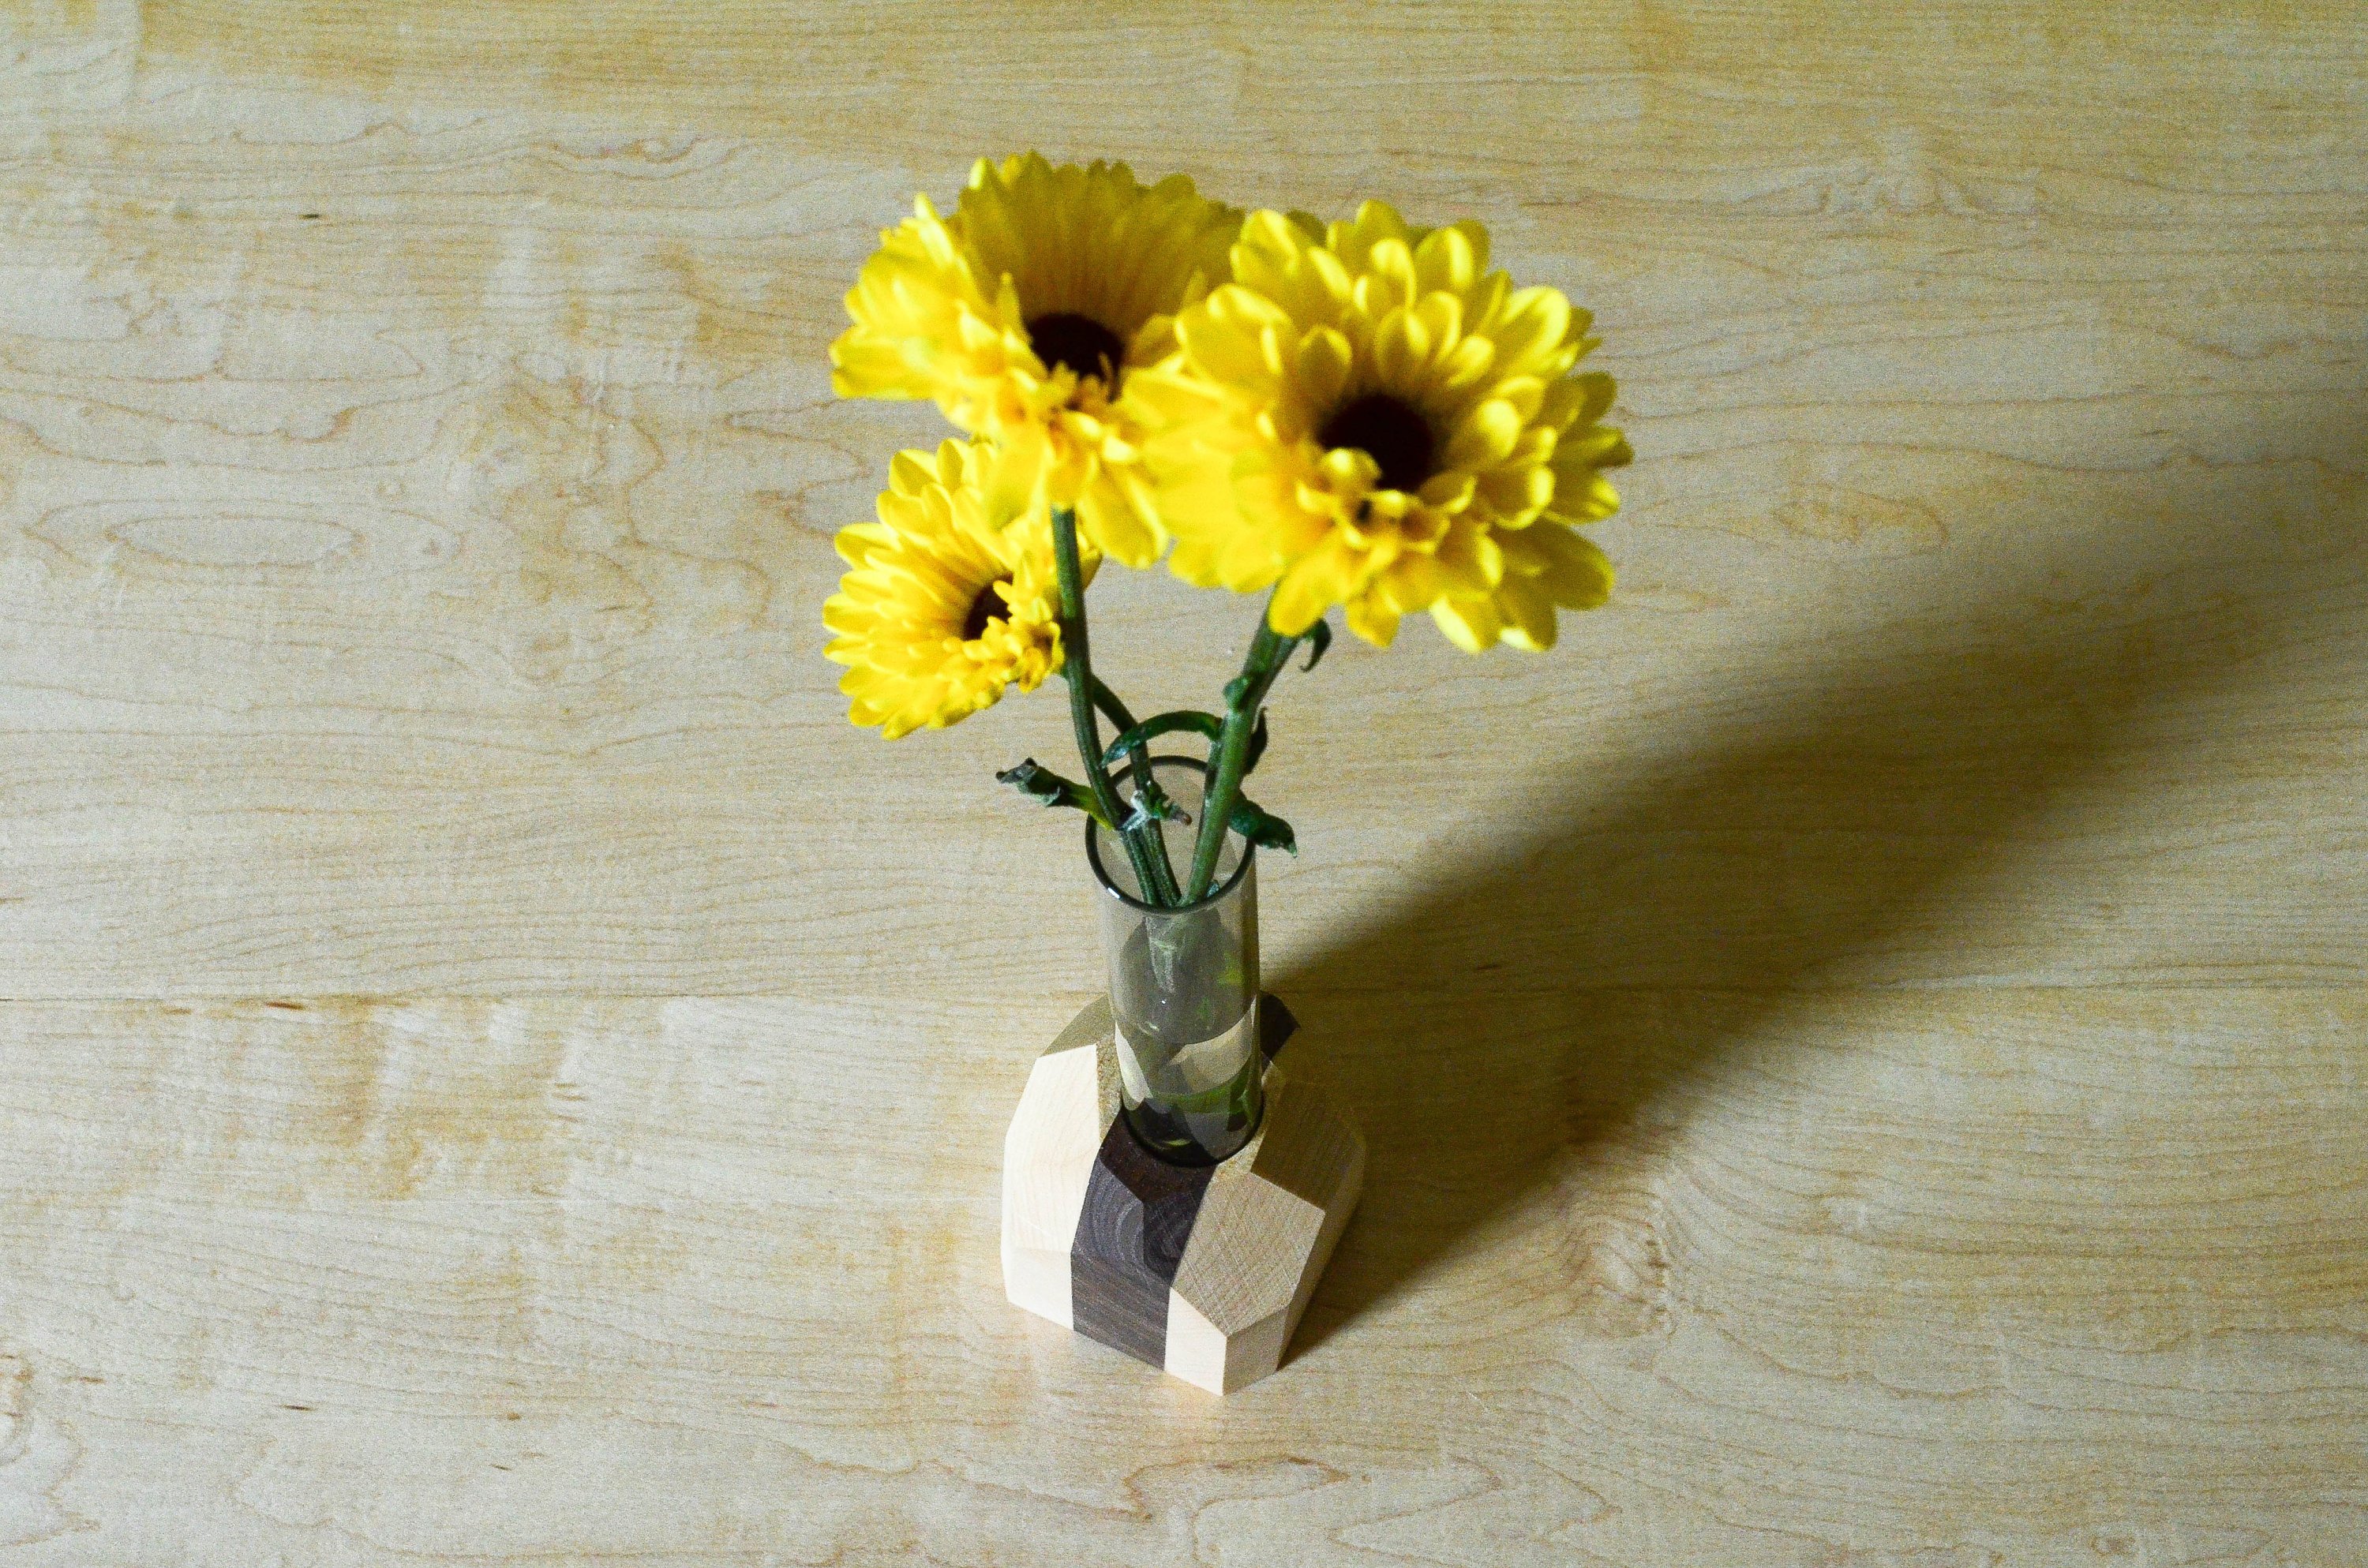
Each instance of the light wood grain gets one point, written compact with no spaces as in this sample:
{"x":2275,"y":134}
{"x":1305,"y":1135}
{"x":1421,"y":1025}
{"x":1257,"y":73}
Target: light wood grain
{"x":1203,"y":1272}
{"x":1861,"y":1048}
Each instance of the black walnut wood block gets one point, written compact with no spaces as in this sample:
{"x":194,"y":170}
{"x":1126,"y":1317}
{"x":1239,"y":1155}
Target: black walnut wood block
{"x":1201,"y":1271}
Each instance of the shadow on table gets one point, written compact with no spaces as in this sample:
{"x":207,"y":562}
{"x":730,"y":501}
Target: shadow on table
{"x":1459,"y":1024}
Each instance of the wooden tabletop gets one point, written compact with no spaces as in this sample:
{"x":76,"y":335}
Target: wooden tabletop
{"x":1863,"y":1047}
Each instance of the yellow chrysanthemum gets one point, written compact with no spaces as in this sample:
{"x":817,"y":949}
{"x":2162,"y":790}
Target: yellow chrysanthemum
{"x":1023,"y":314}
{"x":1367,"y":416}
{"x":948,"y":599}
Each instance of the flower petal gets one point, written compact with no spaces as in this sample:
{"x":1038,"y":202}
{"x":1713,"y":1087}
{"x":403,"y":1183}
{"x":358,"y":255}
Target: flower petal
{"x":1472,"y":624}
{"x":1314,"y":317}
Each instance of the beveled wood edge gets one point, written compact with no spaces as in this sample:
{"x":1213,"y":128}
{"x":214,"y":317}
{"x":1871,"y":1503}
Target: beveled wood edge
{"x":1301,"y":1173}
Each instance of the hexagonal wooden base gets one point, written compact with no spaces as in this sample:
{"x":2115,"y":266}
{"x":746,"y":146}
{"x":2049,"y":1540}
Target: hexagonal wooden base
{"x":1203,"y":1272}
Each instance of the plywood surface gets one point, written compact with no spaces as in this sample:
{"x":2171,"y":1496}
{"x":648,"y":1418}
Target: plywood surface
{"x":1864,"y":1048}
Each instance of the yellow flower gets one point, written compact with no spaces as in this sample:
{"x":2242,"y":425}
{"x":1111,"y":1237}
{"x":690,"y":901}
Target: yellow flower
{"x":1367,"y":416}
{"x":948,"y":597}
{"x":1023,"y":314}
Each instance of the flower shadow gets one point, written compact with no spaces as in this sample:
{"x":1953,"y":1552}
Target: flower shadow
{"x":1530,"y":1013}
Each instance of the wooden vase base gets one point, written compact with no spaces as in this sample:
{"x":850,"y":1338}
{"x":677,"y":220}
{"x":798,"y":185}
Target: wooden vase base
{"x":1202,"y":1271}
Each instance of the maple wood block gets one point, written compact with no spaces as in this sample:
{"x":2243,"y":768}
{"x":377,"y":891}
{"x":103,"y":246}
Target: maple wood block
{"x":1203,"y":1272}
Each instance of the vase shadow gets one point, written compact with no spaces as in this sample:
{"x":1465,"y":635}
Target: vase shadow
{"x":1524,"y":1011}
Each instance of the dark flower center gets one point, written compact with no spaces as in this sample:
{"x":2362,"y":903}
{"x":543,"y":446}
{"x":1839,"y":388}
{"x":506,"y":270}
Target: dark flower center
{"x":1080,"y":343}
{"x":987,"y":606}
{"x":1389,"y":432}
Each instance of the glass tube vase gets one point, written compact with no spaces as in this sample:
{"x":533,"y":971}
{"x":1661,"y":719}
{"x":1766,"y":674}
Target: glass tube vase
{"x":1183,"y":986}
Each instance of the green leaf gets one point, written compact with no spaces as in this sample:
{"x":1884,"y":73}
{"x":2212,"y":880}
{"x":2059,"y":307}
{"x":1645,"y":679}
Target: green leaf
{"x":1041,"y":783}
{"x":1199,"y":723}
{"x":1266,"y":832}
{"x":1318,"y":637}
{"x":1257,"y":746}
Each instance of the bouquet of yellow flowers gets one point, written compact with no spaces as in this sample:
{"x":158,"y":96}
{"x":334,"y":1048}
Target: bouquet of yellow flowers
{"x":1356,"y":414}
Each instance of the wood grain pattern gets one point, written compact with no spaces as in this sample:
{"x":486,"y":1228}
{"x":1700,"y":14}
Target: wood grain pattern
{"x":1200,"y":1270}
{"x":1139,"y":1214}
{"x":1861,"y":1048}
{"x":1048,"y":1166}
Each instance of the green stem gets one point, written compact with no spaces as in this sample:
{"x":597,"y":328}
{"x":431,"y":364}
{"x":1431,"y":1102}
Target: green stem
{"x":1077,"y":666}
{"x":1269,"y":650}
{"x":1138,"y":762}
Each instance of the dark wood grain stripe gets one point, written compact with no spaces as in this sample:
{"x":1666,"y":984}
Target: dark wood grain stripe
{"x":1276,"y":1025}
{"x":1130,"y":1235}
{"x":1136,"y":1221}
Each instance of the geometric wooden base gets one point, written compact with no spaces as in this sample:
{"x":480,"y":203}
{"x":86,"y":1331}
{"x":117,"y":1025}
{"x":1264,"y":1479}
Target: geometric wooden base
{"x":1201,"y":1271}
